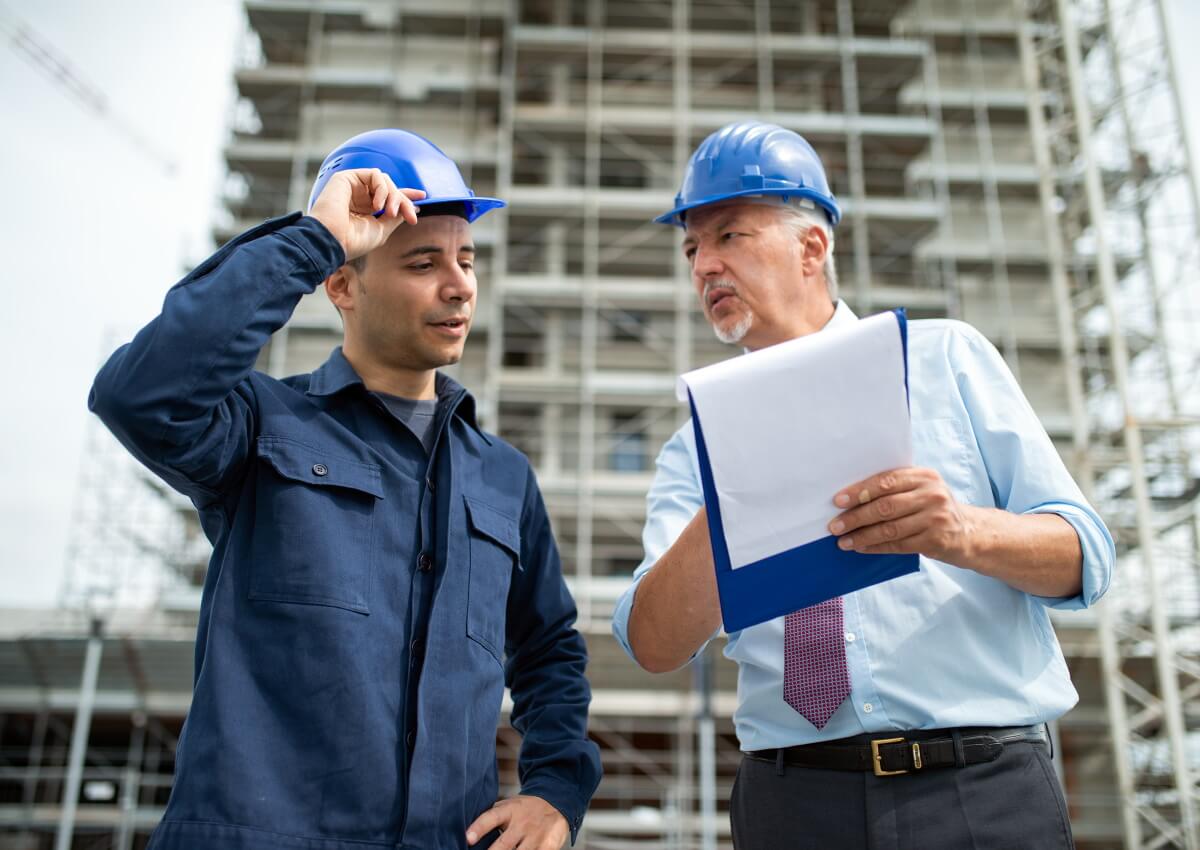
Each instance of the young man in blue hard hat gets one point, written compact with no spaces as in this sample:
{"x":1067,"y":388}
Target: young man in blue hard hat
{"x":910,"y":715}
{"x":382,"y":567}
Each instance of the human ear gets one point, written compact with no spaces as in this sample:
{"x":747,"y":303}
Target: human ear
{"x":814,"y":247}
{"x":341,"y":287}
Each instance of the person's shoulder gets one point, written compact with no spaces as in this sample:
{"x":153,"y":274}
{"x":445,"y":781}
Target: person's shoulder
{"x":945,"y":330}
{"x":300,"y":383}
{"x":951,"y":339}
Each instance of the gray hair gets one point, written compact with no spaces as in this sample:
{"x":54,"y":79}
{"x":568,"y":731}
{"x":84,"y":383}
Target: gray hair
{"x":804,"y":218}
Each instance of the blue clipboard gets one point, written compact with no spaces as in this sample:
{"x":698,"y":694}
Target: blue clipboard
{"x":807,"y":575}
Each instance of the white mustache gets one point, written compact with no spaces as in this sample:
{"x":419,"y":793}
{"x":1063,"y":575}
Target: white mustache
{"x":710,"y":285}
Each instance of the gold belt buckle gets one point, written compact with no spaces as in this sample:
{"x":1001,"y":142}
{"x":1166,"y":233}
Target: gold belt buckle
{"x":877,"y":759}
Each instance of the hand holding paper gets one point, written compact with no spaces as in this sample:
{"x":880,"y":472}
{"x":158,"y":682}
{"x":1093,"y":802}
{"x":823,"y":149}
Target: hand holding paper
{"x":903,"y":511}
{"x":778,"y":432}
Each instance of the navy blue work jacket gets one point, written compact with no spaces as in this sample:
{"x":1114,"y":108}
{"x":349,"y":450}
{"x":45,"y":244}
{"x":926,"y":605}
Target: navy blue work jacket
{"x":366,"y":603}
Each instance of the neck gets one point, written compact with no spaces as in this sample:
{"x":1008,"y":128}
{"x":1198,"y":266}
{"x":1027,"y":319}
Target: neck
{"x":817,"y":318}
{"x":808,"y":321}
{"x":382,"y":378}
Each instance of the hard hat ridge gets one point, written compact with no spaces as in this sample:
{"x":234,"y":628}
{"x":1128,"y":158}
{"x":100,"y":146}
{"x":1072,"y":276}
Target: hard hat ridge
{"x":412,"y":161}
{"x":750,"y":158}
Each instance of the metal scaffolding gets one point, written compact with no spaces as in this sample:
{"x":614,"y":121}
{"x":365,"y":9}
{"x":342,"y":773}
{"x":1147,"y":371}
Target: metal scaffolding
{"x":1120,"y":186}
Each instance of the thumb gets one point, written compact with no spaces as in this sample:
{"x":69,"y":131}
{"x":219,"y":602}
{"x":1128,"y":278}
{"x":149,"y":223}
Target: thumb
{"x":497,"y":816}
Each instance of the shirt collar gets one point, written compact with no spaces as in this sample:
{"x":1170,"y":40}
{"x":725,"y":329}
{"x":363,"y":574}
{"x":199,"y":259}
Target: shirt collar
{"x":842,"y":316}
{"x":336,"y":374}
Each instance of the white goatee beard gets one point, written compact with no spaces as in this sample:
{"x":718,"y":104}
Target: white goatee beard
{"x":737,"y":333}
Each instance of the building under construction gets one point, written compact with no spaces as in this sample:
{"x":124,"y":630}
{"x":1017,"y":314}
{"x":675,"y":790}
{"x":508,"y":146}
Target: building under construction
{"x":1022,"y":166}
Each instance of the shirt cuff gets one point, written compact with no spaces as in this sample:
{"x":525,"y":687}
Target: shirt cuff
{"x":620,"y":624}
{"x":321,"y":247}
{"x":564,"y":798}
{"x":620,"y":618}
{"x":1099,"y":556}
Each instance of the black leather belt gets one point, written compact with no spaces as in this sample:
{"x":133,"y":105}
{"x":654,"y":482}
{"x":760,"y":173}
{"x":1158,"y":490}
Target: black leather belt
{"x":907,"y":752}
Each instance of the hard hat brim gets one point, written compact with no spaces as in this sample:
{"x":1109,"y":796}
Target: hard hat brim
{"x":674,"y":217}
{"x":475,"y":207}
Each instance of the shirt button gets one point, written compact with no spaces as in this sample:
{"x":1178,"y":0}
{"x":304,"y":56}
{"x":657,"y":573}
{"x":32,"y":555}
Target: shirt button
{"x":424,"y":562}
{"x":320,"y":469}
{"x":429,"y":484}
{"x":411,"y":739}
{"x":849,"y":637}
{"x":415,"y":647}
{"x":868,"y":708}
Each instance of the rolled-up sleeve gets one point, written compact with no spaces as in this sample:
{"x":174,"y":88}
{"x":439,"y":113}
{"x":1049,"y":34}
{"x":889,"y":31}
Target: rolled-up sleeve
{"x":1027,"y":474}
{"x":673,"y":500}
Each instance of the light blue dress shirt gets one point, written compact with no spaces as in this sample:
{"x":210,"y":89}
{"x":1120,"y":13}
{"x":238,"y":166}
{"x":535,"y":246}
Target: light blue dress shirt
{"x":945,"y":646}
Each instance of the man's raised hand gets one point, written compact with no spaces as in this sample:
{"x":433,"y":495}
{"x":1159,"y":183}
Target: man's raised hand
{"x":361,"y":207}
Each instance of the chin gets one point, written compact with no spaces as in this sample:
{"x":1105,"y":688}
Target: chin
{"x":733,"y":332}
{"x":445,"y":356}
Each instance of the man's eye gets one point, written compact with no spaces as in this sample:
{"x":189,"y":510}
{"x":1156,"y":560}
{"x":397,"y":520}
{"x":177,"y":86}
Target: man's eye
{"x":467,"y":265}
{"x":689,"y":253}
{"x":729,"y":235}
{"x":421,"y":267}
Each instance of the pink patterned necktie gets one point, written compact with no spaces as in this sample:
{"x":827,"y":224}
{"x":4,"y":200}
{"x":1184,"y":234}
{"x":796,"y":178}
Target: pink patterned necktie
{"x":815,"y":677}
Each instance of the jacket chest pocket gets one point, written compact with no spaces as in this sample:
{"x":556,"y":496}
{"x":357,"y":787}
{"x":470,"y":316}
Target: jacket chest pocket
{"x":314,"y":526}
{"x":495,"y":545}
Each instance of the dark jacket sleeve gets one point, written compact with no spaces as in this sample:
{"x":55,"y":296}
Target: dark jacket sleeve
{"x":545,"y":670}
{"x":177,"y":395}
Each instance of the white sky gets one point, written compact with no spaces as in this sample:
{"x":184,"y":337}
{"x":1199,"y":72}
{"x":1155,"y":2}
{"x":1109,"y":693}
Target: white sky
{"x":92,"y":233}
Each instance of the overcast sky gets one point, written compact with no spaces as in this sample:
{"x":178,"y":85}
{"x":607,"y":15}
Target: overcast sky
{"x":93,"y":230}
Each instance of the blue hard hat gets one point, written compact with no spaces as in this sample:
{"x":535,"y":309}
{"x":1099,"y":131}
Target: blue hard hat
{"x":412,"y":161}
{"x":752,"y":158}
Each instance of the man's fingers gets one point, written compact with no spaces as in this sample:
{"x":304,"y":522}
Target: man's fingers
{"x":883,"y":484}
{"x":876,"y":510}
{"x":381,"y":185}
{"x":497,"y":816}
{"x":907,"y":546}
{"x":508,"y":840}
{"x":405,"y":206}
{"x":882,"y":533}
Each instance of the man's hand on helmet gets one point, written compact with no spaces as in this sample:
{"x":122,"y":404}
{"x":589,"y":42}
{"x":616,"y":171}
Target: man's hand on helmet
{"x":361,"y":207}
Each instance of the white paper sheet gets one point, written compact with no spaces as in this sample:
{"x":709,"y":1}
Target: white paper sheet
{"x":789,"y":426}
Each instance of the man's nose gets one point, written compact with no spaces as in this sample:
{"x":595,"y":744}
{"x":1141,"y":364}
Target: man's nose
{"x":458,"y":284}
{"x":706,"y":263}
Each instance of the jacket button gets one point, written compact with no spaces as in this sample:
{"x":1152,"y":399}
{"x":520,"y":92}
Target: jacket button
{"x":320,"y":469}
{"x":430,"y":485}
{"x":416,"y":647}
{"x":411,"y":739}
{"x":424,"y":562}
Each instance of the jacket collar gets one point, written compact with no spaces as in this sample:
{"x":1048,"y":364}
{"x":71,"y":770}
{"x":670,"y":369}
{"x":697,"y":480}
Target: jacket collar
{"x":336,"y":374}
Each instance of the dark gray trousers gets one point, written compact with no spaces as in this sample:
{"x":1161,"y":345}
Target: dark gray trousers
{"x":1012,"y":803}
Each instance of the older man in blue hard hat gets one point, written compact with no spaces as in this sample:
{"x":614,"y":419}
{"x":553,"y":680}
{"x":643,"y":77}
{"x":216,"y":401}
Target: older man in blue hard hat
{"x":382,"y":567}
{"x":910,"y":715}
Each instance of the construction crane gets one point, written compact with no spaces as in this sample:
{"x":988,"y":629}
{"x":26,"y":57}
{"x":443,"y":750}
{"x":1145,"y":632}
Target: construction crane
{"x":51,"y":63}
